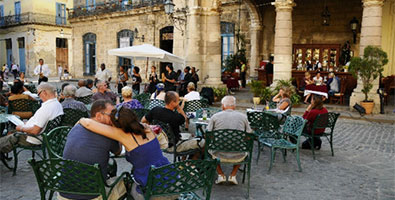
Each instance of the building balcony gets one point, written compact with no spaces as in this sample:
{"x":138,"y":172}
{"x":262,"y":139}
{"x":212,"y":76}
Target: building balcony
{"x":32,"y":18}
{"x":109,"y":7}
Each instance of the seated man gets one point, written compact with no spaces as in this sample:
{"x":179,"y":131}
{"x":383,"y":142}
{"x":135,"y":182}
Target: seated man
{"x":17,"y":93}
{"x":103,"y":93}
{"x":83,"y":91}
{"x":69,"y":101}
{"x":175,"y":120}
{"x":88,"y":147}
{"x":229,"y":119}
{"x":333,"y":84}
{"x":49,"y":110}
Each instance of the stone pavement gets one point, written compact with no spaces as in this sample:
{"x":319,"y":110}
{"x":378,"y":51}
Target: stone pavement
{"x":363,"y":168}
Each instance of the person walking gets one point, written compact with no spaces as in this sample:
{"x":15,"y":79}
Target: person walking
{"x":42,"y":71}
{"x":243,"y":74}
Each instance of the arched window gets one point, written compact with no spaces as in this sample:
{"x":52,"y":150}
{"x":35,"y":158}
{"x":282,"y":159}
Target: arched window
{"x":125,"y":39}
{"x":227,"y":40}
{"x":89,"y":41}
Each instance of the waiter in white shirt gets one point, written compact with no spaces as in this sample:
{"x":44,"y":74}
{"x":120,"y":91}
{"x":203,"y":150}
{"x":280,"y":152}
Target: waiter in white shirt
{"x":42,"y":71}
{"x":103,"y":74}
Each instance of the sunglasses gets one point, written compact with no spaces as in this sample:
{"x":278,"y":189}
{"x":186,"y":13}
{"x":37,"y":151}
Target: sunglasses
{"x":38,"y":94}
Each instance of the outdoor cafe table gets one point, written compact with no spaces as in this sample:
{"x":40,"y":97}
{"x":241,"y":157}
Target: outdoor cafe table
{"x":201,"y":124}
{"x":316,"y":89}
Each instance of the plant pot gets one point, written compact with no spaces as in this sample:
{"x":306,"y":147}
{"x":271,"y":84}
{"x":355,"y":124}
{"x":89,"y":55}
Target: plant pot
{"x":368,"y":106}
{"x":256,"y":100}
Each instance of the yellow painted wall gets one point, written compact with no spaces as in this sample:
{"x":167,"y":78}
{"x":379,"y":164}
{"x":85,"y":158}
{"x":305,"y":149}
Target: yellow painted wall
{"x":388,"y":36}
{"x":47,"y":7}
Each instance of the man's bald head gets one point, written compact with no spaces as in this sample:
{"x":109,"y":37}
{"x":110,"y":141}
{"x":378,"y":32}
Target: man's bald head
{"x":81,"y":83}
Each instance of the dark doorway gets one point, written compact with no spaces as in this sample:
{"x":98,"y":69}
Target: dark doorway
{"x":166,"y":43}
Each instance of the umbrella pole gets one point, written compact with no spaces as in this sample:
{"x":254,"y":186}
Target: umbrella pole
{"x":146,"y":69}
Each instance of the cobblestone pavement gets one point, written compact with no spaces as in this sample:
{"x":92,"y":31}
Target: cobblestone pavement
{"x":363,"y":168}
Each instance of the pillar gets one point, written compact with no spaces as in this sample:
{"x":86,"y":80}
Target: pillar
{"x":283,"y":40}
{"x":256,"y":31}
{"x":370,"y":35}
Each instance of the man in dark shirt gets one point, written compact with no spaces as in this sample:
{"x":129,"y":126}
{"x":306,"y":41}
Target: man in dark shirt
{"x":87,"y":147}
{"x":185,"y":81}
{"x":104,"y":93}
{"x":167,"y":114}
{"x":170,"y":79}
{"x":269,"y":72}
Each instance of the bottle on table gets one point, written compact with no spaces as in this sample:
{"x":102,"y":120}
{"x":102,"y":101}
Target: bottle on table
{"x":204,"y":115}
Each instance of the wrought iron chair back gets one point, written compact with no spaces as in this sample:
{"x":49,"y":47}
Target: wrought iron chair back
{"x":142,"y":97}
{"x":263,"y":121}
{"x":192,"y":106}
{"x":55,"y":141}
{"x":31,"y":87}
{"x":155,"y":103}
{"x":182,"y":178}
{"x":23,"y":105}
{"x":293,"y":127}
{"x":86,"y":99}
{"x":71,"y":116}
{"x":69,"y":176}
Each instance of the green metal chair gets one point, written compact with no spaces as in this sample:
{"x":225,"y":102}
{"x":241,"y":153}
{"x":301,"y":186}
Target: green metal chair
{"x":86,"y":99}
{"x":23,"y":105}
{"x":229,"y":140}
{"x":141,"y":112}
{"x":142,"y":97}
{"x":293,"y":128}
{"x":67,"y":176}
{"x":19,"y":148}
{"x":3,"y":110}
{"x":323,"y":121}
{"x":31,"y":87}
{"x":155,"y":103}
{"x":71,"y":116}
{"x":55,"y":141}
{"x":183,"y":178}
{"x":205,"y":102}
{"x":265,"y":125}
{"x":192,"y":106}
{"x":172,"y":141}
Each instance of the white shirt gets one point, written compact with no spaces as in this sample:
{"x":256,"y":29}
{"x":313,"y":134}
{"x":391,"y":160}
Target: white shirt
{"x":317,"y":81}
{"x":49,"y":110}
{"x":34,"y":96}
{"x":14,"y":67}
{"x":60,"y":69}
{"x":192,"y":96}
{"x":44,"y":69}
{"x":83,"y":91}
{"x":103,"y":75}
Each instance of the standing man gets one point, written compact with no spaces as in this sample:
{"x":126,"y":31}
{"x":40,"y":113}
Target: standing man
{"x":103,"y":74}
{"x":42,"y":71}
{"x":60,"y":70}
{"x":14,"y":70}
{"x":169,"y":78}
{"x":243,"y":74}
{"x":269,"y":71}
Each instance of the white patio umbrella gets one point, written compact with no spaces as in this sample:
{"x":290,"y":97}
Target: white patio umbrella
{"x":146,"y":52}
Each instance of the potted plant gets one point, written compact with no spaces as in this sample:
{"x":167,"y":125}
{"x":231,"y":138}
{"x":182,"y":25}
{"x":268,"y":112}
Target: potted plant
{"x":368,"y":69}
{"x":266,"y":95}
{"x":256,"y":89}
{"x":219,"y":93}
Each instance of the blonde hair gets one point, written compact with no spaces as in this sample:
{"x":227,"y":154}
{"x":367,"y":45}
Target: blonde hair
{"x":127,"y":91}
{"x":286,"y":91}
{"x":307,"y":74}
{"x":191,"y":86}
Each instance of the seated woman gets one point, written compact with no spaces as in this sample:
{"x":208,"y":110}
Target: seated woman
{"x":192,"y":94}
{"x":307,"y":80}
{"x":313,"y":110}
{"x":333,"y":84}
{"x":142,"y":146}
{"x":17,"y":93}
{"x":160,"y":92}
{"x":128,"y":102}
{"x":282,"y":99}
{"x":318,"y":79}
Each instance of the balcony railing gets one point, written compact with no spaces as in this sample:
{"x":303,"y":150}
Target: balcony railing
{"x":32,"y":18}
{"x":113,"y":6}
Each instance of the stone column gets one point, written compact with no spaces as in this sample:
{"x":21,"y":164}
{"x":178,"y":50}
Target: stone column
{"x":256,"y":30}
{"x":211,"y":38}
{"x":370,"y":35}
{"x":283,"y":40}
{"x":193,"y":47}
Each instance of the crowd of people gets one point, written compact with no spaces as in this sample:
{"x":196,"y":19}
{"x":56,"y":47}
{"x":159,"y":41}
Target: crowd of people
{"x":113,"y":124}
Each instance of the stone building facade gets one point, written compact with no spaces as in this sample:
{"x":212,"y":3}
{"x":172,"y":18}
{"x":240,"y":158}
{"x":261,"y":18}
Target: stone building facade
{"x":269,"y":28}
{"x":34,"y":29}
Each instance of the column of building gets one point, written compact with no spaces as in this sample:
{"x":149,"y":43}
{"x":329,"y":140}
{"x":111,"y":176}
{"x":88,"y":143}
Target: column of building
{"x":283,"y":40}
{"x":255,"y":31}
{"x":370,"y":35}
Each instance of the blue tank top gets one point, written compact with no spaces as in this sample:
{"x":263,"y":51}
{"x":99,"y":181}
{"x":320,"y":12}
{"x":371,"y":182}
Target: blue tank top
{"x":143,"y":157}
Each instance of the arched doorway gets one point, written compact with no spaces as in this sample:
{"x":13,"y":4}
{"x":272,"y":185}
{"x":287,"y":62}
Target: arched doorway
{"x":125,"y":39}
{"x":89,"y":58}
{"x":166,"y":43}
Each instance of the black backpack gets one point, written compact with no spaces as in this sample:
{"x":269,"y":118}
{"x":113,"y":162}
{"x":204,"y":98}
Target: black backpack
{"x":208,"y":93}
